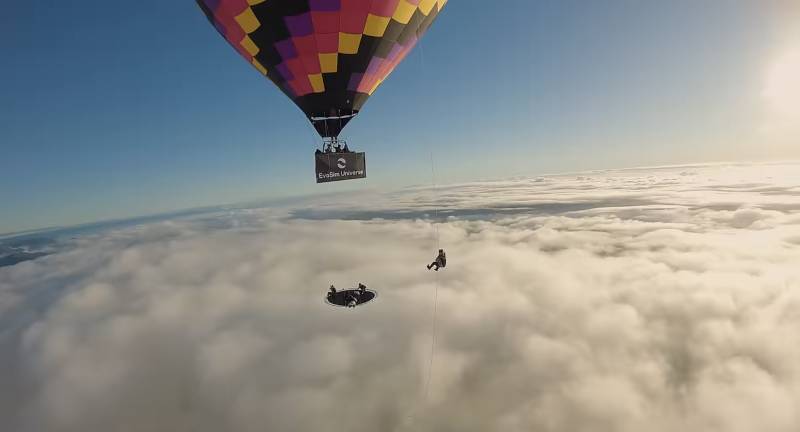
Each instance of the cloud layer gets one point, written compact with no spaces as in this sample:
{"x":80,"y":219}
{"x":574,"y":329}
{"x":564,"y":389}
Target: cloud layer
{"x":657,"y":300}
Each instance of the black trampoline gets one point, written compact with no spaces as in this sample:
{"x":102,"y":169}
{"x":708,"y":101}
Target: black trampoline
{"x":350,"y":298}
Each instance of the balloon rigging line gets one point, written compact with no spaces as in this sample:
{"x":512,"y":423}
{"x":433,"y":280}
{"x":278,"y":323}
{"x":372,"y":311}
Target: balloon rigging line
{"x":438,"y":242}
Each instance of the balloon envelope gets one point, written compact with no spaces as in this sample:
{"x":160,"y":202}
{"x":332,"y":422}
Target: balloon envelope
{"x":328,"y":56}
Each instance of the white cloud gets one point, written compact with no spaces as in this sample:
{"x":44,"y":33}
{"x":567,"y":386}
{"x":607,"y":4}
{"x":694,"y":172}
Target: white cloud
{"x":611,"y":301}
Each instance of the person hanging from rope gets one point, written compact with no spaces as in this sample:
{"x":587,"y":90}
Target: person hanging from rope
{"x":440,"y":262}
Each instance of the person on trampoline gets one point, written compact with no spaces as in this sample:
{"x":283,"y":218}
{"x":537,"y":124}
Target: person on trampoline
{"x":331,"y":291}
{"x":362,"y":288}
{"x":352,"y":300}
{"x":440,"y":262}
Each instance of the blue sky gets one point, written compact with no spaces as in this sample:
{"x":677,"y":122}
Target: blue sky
{"x":111,"y":111}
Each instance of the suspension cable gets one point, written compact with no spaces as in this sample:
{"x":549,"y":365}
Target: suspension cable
{"x":437,"y":239}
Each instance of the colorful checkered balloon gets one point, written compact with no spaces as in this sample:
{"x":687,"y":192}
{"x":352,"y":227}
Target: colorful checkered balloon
{"x":328,"y":56}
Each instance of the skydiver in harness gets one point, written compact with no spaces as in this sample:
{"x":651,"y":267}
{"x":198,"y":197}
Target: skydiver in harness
{"x":440,"y":262}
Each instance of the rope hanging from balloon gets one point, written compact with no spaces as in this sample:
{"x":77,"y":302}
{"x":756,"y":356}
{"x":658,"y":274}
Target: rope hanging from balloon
{"x":436,"y":287}
{"x":437,"y":238}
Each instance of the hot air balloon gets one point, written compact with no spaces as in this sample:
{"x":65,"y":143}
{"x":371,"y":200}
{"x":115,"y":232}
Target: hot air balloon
{"x":328,"y":56}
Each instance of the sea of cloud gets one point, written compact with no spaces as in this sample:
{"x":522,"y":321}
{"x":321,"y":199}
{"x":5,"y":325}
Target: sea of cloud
{"x":664,"y":299}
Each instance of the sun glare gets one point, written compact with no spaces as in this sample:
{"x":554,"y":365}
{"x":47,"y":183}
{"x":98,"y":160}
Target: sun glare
{"x":782,"y":90}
